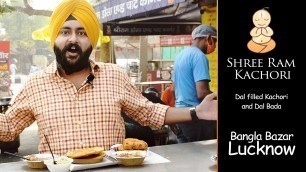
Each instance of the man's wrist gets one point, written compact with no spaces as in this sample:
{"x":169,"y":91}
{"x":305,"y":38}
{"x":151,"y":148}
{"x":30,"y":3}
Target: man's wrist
{"x":193,"y":114}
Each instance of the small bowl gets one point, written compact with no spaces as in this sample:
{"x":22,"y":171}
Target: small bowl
{"x":63,"y":164}
{"x":131,"y":161}
{"x":37,"y":160}
{"x":36,"y":164}
{"x":130,"y":157}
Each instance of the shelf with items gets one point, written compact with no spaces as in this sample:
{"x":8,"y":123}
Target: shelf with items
{"x":160,"y":64}
{"x":162,"y":83}
{"x":166,"y":47}
{"x":166,"y":56}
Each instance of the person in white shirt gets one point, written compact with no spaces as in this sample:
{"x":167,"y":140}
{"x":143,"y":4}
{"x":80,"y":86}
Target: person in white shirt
{"x":13,"y":69}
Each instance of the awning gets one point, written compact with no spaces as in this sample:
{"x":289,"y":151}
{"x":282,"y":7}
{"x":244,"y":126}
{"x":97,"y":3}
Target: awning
{"x":157,"y":17}
{"x":118,"y":9}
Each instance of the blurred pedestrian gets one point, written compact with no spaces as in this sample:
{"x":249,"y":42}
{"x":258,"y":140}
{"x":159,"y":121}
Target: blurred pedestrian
{"x":13,"y":69}
{"x":34,"y":68}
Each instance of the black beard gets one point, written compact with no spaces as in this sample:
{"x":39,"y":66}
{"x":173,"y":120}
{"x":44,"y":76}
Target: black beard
{"x":80,"y":64}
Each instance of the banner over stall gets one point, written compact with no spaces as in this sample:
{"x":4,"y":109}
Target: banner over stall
{"x":110,"y":29}
{"x":116,"y":9}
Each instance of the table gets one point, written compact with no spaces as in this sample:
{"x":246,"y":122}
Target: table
{"x":193,"y":156}
{"x":162,"y":83}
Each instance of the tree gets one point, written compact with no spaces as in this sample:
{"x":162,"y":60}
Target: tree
{"x":18,"y":26}
{"x":27,"y":9}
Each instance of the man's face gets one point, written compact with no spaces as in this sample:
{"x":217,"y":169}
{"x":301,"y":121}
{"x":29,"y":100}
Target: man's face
{"x":72,"y":47}
{"x":207,"y":44}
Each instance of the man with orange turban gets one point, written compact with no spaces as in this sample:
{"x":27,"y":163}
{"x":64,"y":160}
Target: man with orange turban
{"x":69,"y":11}
{"x":82,"y":11}
{"x":76,"y":101}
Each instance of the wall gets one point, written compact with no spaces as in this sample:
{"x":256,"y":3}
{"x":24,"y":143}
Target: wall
{"x":210,"y":17}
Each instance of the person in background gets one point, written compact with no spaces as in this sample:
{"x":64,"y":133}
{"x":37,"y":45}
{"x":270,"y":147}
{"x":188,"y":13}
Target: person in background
{"x":191,"y":80}
{"x":13,"y":69}
{"x":152,"y":91}
{"x":76,"y":101}
{"x":34,"y":68}
{"x":168,"y":97}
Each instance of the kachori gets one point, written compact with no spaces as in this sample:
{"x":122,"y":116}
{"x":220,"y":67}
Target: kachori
{"x":133,"y":144}
{"x":87,"y":155}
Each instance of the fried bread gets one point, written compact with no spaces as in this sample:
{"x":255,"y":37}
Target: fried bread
{"x":90,"y":159}
{"x":87,"y":155}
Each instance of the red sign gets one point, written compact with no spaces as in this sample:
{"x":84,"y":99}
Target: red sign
{"x":175,"y":40}
{"x":4,"y":55}
{"x":4,"y":68}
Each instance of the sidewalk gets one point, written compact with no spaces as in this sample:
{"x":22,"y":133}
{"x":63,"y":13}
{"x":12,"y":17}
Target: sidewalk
{"x":28,"y":144}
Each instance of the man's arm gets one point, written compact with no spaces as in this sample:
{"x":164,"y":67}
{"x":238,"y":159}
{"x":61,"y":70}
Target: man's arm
{"x":206,"y":110}
{"x":16,"y":118}
{"x":202,"y":89}
{"x":5,"y":134}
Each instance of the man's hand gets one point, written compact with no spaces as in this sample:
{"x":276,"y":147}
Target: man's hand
{"x":207,"y":109}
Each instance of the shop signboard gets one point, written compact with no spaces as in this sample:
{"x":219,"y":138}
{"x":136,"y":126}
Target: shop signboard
{"x":142,"y":29}
{"x":175,"y":40}
{"x":4,"y":68}
{"x":115,"y":9}
{"x":4,"y":55}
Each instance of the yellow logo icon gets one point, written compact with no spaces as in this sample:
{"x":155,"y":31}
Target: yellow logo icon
{"x":261,"y":41}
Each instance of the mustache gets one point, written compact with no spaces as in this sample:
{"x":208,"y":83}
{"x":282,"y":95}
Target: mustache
{"x":70,"y":45}
{"x":80,"y":64}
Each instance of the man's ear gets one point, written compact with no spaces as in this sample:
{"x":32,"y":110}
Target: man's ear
{"x":209,"y":39}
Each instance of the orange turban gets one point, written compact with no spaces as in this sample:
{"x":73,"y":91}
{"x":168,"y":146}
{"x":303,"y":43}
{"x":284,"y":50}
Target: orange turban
{"x":82,"y":11}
